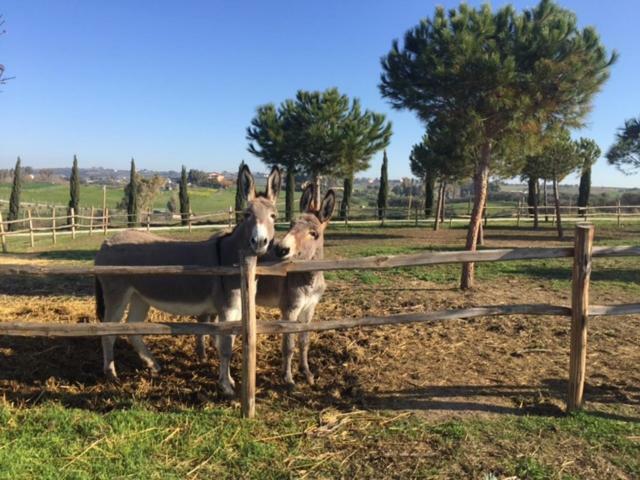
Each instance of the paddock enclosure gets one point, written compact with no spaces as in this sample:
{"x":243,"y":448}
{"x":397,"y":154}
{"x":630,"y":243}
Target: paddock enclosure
{"x":576,"y":314}
{"x":455,"y":398}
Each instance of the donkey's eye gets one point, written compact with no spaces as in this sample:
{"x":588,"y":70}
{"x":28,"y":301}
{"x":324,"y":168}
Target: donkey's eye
{"x":273,"y":216}
{"x":314,"y":234}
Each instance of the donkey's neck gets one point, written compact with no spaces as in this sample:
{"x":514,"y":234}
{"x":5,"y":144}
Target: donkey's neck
{"x":230,"y":245}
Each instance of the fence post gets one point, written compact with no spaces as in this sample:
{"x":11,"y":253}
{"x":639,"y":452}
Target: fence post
{"x":579,"y":314}
{"x":73,"y":222}
{"x":53,"y":224}
{"x":346,"y":216}
{"x":105,"y":220}
{"x":486,"y":218}
{"x":230,"y":216}
{"x":618,"y":212}
{"x":91,"y":221}
{"x":148,"y":219}
{"x":31,"y":239}
{"x":415,"y":208}
{"x":3,"y":239}
{"x":518,"y":213}
{"x":248,"y":297}
{"x":189,"y":219}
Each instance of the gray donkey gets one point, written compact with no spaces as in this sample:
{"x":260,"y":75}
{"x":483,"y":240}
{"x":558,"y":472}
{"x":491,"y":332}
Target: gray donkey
{"x":184,"y":294}
{"x":297,"y":294}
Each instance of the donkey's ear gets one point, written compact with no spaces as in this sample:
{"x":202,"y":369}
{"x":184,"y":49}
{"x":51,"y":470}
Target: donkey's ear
{"x":327,"y":206}
{"x":247,"y":184}
{"x":306,"y":200}
{"x":273,"y":184}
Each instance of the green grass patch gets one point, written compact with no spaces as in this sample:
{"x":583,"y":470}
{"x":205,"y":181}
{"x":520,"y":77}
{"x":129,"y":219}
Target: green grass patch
{"x":50,"y":441}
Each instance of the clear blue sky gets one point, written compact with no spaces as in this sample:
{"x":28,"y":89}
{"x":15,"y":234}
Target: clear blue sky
{"x":174,"y":83}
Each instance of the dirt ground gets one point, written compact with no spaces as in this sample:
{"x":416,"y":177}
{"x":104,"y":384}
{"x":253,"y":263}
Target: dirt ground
{"x":485,"y":366}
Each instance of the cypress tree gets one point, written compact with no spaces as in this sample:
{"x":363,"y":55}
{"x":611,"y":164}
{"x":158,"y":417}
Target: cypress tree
{"x":14,"y":200}
{"x":589,"y":152}
{"x":132,"y":200}
{"x":74,"y":189}
{"x":584,"y":190}
{"x":184,"y":197}
{"x":383,"y":193}
{"x":239,"y":198}
{"x":346,"y":196}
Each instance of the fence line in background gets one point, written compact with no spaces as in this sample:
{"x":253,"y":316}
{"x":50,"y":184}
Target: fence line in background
{"x":76,"y":222}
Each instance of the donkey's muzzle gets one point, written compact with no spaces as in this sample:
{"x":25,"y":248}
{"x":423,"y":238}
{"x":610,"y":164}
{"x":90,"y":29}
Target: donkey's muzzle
{"x":281,"y":251}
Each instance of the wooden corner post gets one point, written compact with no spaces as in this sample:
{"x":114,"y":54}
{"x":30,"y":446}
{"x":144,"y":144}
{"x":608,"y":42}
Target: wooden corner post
{"x":31,"y":239}
{"x":3,"y":238}
{"x":579,"y":314}
{"x":248,"y":294}
{"x":72,"y":218}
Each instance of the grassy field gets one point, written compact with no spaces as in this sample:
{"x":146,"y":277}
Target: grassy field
{"x":463,"y":399}
{"x":202,"y":199}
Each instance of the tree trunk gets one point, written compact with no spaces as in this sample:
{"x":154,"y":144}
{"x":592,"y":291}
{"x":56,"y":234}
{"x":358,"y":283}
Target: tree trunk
{"x":289,"y":195}
{"x":483,"y":214}
{"x":546,"y":211}
{"x":346,"y":197}
{"x":436,"y":217}
{"x":531,"y":193}
{"x":480,"y":180}
{"x":444,"y":201}
{"x":316,"y":184}
{"x":556,"y":195}
{"x":536,"y":201}
{"x":429,"y":187}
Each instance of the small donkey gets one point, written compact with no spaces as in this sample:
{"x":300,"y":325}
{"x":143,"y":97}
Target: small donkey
{"x":297,"y":294}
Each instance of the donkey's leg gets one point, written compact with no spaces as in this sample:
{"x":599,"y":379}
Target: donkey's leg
{"x":224,"y":344}
{"x":288,"y":345}
{"x":138,"y":310}
{"x":115,"y":305}
{"x":303,"y":344}
{"x":201,"y":340}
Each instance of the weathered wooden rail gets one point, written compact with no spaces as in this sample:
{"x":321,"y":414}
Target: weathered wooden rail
{"x":579,"y":312}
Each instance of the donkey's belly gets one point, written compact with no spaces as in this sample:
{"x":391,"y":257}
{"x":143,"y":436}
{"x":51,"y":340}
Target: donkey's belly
{"x":184,"y":295}
{"x":180,"y":308}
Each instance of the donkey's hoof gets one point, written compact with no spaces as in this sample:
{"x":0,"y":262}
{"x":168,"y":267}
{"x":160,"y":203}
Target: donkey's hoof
{"x":154,"y":368}
{"x":310,"y":379}
{"x":228,"y":391}
{"x":202,"y":356}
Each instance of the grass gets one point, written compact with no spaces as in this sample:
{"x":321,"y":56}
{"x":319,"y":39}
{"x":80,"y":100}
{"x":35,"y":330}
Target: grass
{"x":202,"y":199}
{"x":50,"y":441}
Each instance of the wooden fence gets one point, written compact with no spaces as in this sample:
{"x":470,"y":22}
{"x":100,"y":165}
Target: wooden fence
{"x":64,"y":221}
{"x":582,"y":254}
